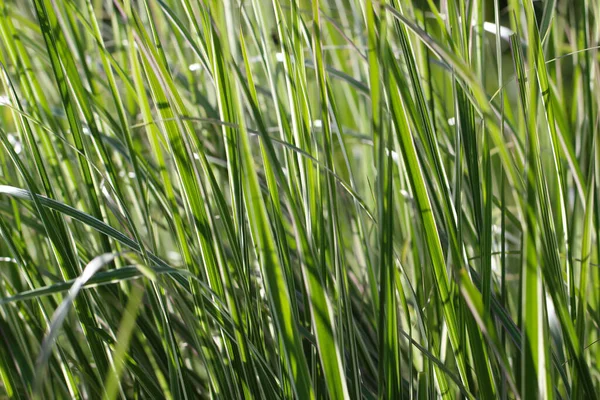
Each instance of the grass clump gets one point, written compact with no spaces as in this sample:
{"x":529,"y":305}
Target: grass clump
{"x":299,"y":199}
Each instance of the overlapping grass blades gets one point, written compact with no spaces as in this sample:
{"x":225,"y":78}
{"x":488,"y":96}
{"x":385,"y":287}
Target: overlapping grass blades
{"x":299,"y":199}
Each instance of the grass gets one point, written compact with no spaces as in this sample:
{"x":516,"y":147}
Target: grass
{"x":299,"y":199}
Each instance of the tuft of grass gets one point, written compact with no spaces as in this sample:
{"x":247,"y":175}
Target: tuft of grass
{"x":344,"y":199}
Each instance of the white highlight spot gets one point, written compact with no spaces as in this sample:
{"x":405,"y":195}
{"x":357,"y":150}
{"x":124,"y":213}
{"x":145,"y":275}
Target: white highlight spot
{"x":16,"y":143}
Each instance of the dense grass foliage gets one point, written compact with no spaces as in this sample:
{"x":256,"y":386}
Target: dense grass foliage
{"x":299,"y":199}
